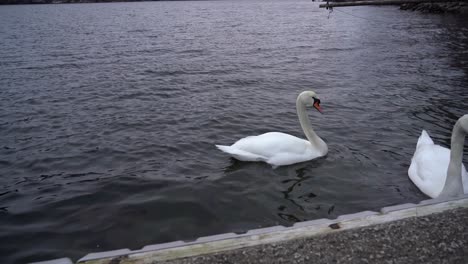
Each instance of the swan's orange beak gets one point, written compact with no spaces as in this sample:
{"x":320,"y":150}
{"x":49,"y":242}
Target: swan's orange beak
{"x":317,"y":106}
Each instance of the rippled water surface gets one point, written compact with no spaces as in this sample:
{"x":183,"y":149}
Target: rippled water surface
{"x":109,"y":114}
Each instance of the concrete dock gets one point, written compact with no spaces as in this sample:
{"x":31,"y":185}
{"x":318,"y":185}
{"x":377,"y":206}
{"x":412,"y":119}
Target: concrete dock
{"x":437,"y":238}
{"x":433,"y":231}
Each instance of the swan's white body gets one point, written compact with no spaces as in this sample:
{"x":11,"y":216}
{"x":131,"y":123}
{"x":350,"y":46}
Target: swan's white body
{"x":428,"y":169}
{"x":279,"y":149}
{"x":275,"y":148}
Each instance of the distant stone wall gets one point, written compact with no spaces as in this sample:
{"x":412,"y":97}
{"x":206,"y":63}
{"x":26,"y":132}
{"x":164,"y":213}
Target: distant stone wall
{"x":447,"y":7}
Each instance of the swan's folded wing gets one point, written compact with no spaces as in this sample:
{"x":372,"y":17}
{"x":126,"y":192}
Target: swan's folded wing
{"x":428,"y":169}
{"x":424,"y":138}
{"x":270,"y":144}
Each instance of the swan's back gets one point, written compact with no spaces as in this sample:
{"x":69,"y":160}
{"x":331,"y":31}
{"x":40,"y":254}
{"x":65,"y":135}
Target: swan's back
{"x":271,"y":143}
{"x":428,"y":169}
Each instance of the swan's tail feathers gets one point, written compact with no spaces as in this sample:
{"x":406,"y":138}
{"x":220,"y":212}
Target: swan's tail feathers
{"x":424,"y":138}
{"x":224,"y":148}
{"x":240,"y":154}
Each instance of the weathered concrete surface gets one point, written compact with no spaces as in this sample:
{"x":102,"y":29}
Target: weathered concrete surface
{"x":436,"y":238}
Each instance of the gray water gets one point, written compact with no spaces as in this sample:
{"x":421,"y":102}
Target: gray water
{"x":109,"y":114}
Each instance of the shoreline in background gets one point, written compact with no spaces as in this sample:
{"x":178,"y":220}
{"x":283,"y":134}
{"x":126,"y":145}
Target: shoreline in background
{"x":460,"y":7}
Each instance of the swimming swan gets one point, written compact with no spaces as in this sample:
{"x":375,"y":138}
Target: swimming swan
{"x":278,"y":148}
{"x":438,"y":171}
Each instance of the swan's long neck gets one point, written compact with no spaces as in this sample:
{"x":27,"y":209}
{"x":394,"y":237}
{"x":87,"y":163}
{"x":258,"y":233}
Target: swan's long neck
{"x":453,"y":183}
{"x":307,"y":127}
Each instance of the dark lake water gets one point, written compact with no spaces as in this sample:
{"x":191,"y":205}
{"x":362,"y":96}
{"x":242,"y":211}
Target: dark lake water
{"x":109,"y":114}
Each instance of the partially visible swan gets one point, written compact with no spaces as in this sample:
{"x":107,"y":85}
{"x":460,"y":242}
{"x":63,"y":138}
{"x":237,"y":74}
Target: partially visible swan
{"x":438,"y":171}
{"x":278,"y":148}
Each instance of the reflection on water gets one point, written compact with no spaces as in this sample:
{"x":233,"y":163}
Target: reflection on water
{"x":109,"y":114}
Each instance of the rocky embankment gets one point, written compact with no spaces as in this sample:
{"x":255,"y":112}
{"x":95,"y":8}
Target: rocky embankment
{"x":439,"y":7}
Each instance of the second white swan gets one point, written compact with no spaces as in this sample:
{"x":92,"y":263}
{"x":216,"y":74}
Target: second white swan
{"x":279,"y":149}
{"x":439,"y":171}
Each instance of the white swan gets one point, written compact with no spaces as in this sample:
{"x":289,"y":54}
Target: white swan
{"x":438,"y":171}
{"x":278,"y":148}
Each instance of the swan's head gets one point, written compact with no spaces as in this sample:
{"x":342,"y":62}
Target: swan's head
{"x":310,"y":99}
